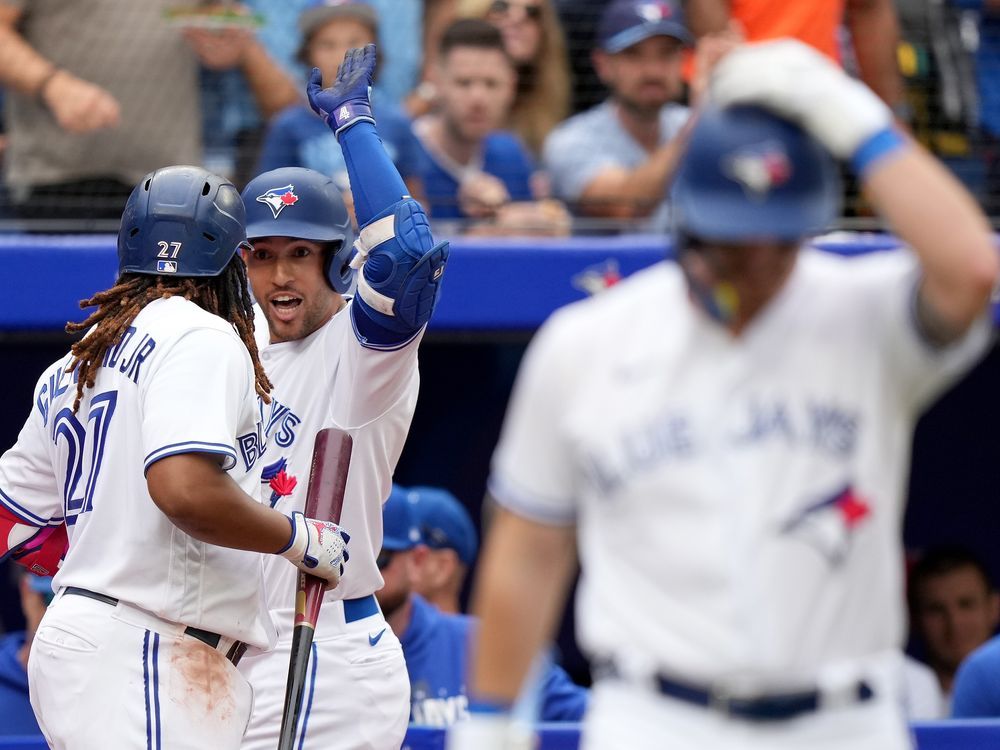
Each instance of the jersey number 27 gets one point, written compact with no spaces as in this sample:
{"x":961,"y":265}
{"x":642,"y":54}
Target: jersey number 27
{"x":80,"y":460}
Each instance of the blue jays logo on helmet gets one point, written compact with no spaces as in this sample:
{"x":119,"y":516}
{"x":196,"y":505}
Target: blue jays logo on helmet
{"x":758,"y":168}
{"x":829,"y":525}
{"x":278,"y":199}
{"x":319,"y":214}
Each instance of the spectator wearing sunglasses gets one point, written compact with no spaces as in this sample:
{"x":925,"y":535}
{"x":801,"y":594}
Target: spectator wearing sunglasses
{"x":535,"y":41}
{"x":435,"y":643}
{"x":447,"y":531}
{"x":15,"y":708}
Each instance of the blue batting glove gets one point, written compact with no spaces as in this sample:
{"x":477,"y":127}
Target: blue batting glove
{"x":348,"y":100}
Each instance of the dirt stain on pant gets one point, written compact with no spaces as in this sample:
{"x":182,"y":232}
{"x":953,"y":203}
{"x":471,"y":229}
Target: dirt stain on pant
{"x":204,"y":681}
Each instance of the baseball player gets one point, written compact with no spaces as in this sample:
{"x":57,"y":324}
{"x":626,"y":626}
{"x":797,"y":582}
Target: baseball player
{"x":726,"y":439}
{"x":143,"y":441}
{"x":352,"y":365}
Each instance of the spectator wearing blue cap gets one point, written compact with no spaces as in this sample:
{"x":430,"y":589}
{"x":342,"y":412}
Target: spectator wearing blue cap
{"x":15,"y":707}
{"x":615,"y":160}
{"x":436,"y":644}
{"x":451,"y":542}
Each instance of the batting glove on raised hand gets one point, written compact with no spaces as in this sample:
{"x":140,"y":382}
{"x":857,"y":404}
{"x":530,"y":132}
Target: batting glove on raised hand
{"x":317,"y":547}
{"x":348,"y":101}
{"x":795,"y":81}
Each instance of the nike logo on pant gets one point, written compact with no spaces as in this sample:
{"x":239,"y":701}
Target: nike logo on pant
{"x":373,"y":639}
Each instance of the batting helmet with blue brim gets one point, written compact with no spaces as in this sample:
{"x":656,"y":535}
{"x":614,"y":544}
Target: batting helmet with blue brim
{"x":181,"y":221}
{"x":749,"y":175}
{"x":305,"y":204}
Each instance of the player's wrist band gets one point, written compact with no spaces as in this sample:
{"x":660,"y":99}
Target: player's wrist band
{"x":884,"y":142}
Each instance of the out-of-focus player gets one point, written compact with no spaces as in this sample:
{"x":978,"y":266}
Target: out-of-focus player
{"x":723,"y":443}
{"x":137,"y":444}
{"x":347,"y":364}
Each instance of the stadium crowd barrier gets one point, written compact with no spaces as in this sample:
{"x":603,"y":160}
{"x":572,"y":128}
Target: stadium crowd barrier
{"x":491,"y":284}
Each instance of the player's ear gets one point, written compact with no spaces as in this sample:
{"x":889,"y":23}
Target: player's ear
{"x":994,"y":605}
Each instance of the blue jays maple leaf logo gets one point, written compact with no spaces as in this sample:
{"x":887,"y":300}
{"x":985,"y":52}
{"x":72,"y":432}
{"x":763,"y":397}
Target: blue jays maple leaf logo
{"x":278,"y":199}
{"x":829,"y":525}
{"x":597,"y":278}
{"x":758,"y":168}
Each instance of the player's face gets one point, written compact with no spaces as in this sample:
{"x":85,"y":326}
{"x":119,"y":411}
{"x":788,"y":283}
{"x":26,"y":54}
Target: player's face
{"x":956,"y":614}
{"x":645,"y":76}
{"x":331,"y":42}
{"x":753,"y":272}
{"x":476,"y":89}
{"x":288,"y":282}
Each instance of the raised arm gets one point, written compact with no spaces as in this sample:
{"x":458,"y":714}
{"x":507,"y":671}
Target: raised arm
{"x":401,"y":266}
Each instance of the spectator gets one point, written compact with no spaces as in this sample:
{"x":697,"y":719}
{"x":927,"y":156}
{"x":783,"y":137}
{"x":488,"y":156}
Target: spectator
{"x":873,"y":27}
{"x":954,"y":608}
{"x":535,"y":42}
{"x":977,"y":684}
{"x":19,"y":719}
{"x":91,"y":109}
{"x":474,"y":169}
{"x":451,"y":544}
{"x":298,"y":138}
{"x":436,"y":644}
{"x":616,"y":159}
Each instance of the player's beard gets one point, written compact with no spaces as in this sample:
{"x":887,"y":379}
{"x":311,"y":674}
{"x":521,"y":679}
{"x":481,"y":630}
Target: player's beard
{"x":313,"y":314}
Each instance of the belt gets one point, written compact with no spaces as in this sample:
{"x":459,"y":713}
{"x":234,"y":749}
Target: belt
{"x":234,"y":653}
{"x":754,"y":706}
{"x":359,"y":609}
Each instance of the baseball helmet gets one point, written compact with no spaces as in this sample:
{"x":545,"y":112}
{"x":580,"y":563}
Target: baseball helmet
{"x":181,"y":221}
{"x":303,"y":203}
{"x":748,"y":174}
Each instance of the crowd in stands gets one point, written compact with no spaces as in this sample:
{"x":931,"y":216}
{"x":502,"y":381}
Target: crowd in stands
{"x":504,"y":116}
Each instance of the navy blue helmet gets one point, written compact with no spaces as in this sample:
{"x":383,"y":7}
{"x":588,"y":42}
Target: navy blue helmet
{"x":181,"y":221}
{"x":747,"y":174}
{"x":303,"y":203}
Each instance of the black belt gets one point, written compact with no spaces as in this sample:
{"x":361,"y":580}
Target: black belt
{"x":779,"y":706}
{"x":234,"y":654}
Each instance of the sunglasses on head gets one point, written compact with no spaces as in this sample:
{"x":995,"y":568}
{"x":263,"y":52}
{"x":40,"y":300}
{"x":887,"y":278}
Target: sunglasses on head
{"x":532,"y":11}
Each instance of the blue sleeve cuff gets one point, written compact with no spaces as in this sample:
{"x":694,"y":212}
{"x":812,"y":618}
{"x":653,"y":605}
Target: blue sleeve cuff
{"x":370,"y":331}
{"x":878,"y":146}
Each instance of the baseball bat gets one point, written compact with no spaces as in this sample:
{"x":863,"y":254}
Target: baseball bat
{"x":331,"y":460}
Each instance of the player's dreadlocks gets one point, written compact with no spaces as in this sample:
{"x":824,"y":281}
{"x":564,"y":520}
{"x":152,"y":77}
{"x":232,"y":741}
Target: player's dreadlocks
{"x":226,"y":295}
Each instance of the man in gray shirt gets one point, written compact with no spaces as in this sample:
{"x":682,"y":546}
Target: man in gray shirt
{"x":615,"y":160}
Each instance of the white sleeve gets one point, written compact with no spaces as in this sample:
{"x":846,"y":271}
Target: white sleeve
{"x":368,"y":383}
{"x":919,"y":371}
{"x":28,"y":486}
{"x":532,"y":470}
{"x":192,"y":398}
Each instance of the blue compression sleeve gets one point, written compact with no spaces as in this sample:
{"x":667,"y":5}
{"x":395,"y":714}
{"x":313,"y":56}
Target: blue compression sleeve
{"x":381,"y":187}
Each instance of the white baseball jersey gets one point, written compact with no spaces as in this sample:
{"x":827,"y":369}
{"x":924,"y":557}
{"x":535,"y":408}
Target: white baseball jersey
{"x":738,"y":499}
{"x":328,"y":379}
{"x":180,"y":381}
